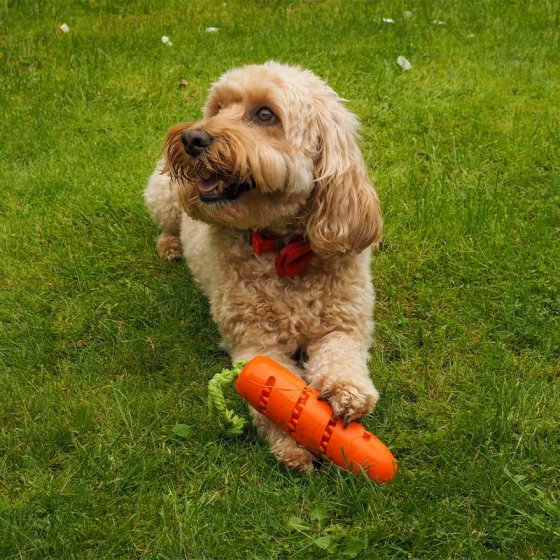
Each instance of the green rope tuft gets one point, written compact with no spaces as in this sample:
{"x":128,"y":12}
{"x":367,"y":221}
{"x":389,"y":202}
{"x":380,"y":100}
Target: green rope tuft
{"x":230,"y":424}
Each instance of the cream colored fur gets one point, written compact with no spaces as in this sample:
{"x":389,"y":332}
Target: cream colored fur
{"x":311,"y":182}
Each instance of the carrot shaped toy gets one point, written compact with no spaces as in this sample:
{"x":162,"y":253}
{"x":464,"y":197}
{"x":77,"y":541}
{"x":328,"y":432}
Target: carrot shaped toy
{"x":284,"y":398}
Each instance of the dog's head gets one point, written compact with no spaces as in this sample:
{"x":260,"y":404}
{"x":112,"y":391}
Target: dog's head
{"x":276,"y":149}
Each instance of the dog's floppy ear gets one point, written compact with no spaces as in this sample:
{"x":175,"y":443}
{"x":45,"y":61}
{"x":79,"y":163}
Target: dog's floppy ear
{"x":345,"y":213}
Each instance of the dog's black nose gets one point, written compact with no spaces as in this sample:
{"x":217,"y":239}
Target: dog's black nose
{"x":196,"y":141}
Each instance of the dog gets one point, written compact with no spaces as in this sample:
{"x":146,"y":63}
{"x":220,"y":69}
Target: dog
{"x":268,"y":199}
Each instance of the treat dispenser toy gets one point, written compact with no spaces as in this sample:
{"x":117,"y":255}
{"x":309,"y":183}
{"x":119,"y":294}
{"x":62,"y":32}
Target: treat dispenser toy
{"x":294,"y":406}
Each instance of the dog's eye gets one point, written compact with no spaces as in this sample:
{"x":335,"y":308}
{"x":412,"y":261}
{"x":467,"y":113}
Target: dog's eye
{"x":265,"y":116}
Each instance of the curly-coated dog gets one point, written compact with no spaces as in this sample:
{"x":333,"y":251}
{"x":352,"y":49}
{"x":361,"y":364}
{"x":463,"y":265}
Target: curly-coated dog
{"x":268,"y":199}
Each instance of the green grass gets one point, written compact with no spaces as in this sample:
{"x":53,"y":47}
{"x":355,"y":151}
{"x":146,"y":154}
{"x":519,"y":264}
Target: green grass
{"x":104,"y":348}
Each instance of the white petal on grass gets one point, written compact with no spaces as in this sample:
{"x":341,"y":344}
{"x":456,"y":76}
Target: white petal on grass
{"x":388,"y":20}
{"x":212,"y":29}
{"x":408,"y":14}
{"x":404,"y":63}
{"x":439,"y":22}
{"x":64,"y":28}
{"x":166,"y":40}
{"x":470,"y":35}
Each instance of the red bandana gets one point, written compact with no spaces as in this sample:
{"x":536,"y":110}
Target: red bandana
{"x":291,"y":259}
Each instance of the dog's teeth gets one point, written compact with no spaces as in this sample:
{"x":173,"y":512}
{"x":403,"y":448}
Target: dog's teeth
{"x":205,"y":173}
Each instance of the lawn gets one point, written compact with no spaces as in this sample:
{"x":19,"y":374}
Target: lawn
{"x":105,"y":348}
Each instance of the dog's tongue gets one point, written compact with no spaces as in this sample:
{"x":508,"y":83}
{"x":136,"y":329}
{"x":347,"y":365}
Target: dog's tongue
{"x":209,"y":184}
{"x":212,"y":182}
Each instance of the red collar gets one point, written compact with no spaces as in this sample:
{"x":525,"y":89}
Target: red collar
{"x":292,"y":257}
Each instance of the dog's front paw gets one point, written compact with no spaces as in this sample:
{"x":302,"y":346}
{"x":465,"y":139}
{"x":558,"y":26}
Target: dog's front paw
{"x":350,"y":399}
{"x":169,"y":246}
{"x":293,"y":455}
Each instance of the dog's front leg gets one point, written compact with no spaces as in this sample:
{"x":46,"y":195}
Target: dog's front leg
{"x":337,"y":368}
{"x":162,"y":200}
{"x":284,"y":447}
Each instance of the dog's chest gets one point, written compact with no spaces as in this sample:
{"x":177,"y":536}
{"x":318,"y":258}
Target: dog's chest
{"x":250,"y":295}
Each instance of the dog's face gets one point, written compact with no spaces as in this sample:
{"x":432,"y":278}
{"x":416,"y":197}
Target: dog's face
{"x":276,"y":150}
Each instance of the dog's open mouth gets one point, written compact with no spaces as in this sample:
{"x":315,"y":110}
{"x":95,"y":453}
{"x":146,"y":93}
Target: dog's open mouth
{"x":215,"y":187}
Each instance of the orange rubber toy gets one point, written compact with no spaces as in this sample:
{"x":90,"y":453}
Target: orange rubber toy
{"x":285,"y":399}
